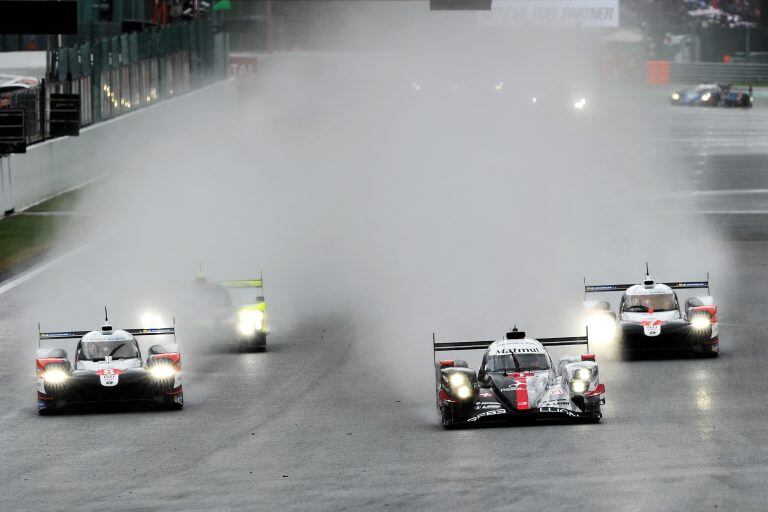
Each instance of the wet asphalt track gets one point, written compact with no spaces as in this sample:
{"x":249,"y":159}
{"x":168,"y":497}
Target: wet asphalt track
{"x":304,"y":427}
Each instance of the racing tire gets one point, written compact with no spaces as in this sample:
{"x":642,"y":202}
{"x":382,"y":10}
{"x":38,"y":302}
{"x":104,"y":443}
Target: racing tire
{"x":446,"y":420}
{"x":172,"y":404}
{"x":258,"y":343}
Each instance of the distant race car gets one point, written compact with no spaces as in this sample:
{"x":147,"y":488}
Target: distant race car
{"x":235,"y":311}
{"x":108,"y":367}
{"x":649,"y":318}
{"x":12,"y":84}
{"x":712,"y":95}
{"x":517,"y":381}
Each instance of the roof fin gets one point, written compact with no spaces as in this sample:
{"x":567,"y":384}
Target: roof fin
{"x":106,"y":327}
{"x":647,"y":282}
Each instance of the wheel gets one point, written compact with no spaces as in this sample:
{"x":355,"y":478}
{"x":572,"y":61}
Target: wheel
{"x":446,"y":418}
{"x":175,"y":402}
{"x":260,"y":344}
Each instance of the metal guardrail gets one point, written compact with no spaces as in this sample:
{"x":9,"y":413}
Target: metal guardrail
{"x":116,"y":75}
{"x":665,"y":72}
{"x":700,"y":72}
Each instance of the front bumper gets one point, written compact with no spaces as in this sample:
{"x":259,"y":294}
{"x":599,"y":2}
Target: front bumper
{"x":469,"y":416}
{"x":677,"y":336}
{"x":86,"y":388}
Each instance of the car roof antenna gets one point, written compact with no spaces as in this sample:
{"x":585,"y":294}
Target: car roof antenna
{"x":106,"y":327}
{"x":647,"y":282}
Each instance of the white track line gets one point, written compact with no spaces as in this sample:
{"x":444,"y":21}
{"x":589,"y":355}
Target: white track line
{"x":731,"y":192}
{"x":32,"y":273}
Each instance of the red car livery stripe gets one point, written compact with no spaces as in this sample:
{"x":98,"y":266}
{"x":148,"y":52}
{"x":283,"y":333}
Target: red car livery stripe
{"x":521,"y":393}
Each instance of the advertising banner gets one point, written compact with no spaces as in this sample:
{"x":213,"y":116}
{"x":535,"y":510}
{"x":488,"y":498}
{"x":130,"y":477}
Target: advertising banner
{"x":551,"y":13}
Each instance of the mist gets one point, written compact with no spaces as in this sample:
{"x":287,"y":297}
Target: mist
{"x":372,"y":193}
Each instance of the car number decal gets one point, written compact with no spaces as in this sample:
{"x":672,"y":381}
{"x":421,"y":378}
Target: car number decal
{"x":109,"y":377}
{"x":652,"y":328}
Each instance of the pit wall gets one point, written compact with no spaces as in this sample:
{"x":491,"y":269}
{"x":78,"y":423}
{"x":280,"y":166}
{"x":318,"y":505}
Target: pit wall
{"x":58,"y":165}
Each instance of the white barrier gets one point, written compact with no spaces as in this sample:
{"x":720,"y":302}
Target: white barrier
{"x":58,"y":165}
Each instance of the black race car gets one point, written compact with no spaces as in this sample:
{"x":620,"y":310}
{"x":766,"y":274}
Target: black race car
{"x":517,"y":382}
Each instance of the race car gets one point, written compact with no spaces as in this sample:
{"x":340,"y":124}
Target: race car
{"x":517,"y":381}
{"x":649,"y":318}
{"x":247,"y":297}
{"x":235,"y":311}
{"x":13,"y":84}
{"x":712,"y":95}
{"x":108,"y":368}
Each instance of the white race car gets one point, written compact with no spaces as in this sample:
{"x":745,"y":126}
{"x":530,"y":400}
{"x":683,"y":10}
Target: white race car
{"x":108,"y":367}
{"x":650,"y":319}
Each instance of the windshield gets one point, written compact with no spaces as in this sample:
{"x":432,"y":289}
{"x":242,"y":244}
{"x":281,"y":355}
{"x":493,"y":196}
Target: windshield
{"x":118,"y":349}
{"x":644,"y":303}
{"x":518,"y":362}
{"x":243,"y":296}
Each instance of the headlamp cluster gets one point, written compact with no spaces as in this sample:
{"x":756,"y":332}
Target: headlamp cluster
{"x":460,"y":385}
{"x":580,"y":380}
{"x":249,"y":321}
{"x":701,"y":322}
{"x":55,"y":376}
{"x":162,"y":371}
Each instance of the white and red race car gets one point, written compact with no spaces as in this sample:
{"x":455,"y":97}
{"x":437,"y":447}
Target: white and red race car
{"x":108,"y":367}
{"x":650,"y":318}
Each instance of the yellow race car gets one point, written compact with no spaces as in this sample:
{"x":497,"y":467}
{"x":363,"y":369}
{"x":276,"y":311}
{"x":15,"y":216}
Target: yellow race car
{"x":235,"y":310}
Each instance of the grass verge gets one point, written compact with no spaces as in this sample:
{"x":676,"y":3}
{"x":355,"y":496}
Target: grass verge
{"x":26,"y":237}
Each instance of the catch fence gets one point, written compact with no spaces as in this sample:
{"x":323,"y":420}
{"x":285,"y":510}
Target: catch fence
{"x":120,"y":74}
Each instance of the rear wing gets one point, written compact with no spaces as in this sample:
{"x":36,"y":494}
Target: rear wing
{"x":444,"y":346}
{"x":243,"y":283}
{"x":675,"y":285}
{"x":64,"y":335}
{"x":571,"y":340}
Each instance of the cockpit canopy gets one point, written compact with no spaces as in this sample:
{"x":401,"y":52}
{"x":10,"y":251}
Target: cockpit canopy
{"x":642,"y":303}
{"x":517,"y":362}
{"x":99,"y":349}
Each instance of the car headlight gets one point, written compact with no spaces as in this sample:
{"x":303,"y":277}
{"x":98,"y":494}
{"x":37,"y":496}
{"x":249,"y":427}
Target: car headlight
{"x":580,"y":104}
{"x":578,"y":386}
{"x":463,"y":392}
{"x":675,"y":96}
{"x":457,"y":379}
{"x":706,"y":96}
{"x":151,"y":320}
{"x":602,"y":328}
{"x":700,"y":322}
{"x":162,"y":371}
{"x":460,"y":385}
{"x":55,"y":376}
{"x":249,"y":321}
{"x":583,"y":374}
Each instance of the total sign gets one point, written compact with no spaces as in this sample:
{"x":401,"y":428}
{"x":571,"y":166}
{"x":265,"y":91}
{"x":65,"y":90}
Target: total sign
{"x":551,"y":13}
{"x":243,"y":64}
